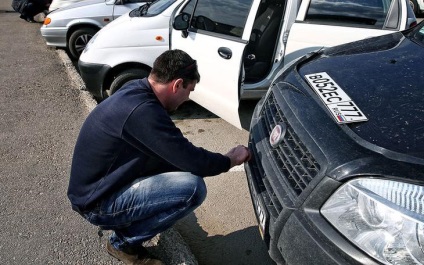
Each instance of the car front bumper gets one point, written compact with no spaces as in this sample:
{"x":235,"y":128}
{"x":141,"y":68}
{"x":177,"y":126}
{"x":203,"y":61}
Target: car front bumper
{"x":93,"y":76}
{"x":54,"y":36}
{"x":290,"y":221}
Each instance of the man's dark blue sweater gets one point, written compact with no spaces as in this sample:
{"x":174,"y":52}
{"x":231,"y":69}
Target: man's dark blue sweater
{"x":127,"y":136}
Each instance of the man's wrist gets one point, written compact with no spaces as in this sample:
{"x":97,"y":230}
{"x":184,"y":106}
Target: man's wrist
{"x":230,"y":162}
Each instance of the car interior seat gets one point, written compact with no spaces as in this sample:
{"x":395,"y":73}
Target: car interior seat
{"x":259,"y":51}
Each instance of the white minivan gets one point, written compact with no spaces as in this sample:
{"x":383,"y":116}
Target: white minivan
{"x":239,"y":45}
{"x":126,"y":48}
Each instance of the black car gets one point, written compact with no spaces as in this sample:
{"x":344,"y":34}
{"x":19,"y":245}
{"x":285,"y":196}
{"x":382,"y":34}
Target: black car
{"x":337,"y":173}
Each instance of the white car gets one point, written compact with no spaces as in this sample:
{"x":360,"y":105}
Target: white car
{"x":71,"y":27}
{"x":239,"y":45}
{"x":126,"y":48}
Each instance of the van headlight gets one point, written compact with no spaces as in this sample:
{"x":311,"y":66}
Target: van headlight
{"x":384,"y":218}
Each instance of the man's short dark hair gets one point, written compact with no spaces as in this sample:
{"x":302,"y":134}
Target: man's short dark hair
{"x":174,"y":64}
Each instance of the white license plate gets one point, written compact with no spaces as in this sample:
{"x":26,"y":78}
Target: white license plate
{"x":261,"y":215}
{"x":340,"y":105}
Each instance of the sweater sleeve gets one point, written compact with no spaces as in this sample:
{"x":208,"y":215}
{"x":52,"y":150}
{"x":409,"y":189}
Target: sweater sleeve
{"x":149,"y":128}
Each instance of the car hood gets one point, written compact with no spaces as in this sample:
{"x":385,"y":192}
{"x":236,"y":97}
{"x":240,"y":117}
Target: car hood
{"x":134,"y":31}
{"x":143,"y":32}
{"x":61,"y":3}
{"x":129,"y":25}
{"x":384,"y":76}
{"x":79,"y":4}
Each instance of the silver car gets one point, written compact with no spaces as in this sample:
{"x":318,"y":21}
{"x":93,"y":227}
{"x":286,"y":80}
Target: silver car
{"x":71,"y":27}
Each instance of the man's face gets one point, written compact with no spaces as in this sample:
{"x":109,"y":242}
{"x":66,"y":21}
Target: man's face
{"x":181,"y":94}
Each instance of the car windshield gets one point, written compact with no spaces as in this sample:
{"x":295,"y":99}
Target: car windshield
{"x":417,"y":35}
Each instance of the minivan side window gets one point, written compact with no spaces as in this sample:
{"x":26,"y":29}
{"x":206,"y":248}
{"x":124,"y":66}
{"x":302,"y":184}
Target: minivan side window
{"x":219,"y":16}
{"x":357,"y":13}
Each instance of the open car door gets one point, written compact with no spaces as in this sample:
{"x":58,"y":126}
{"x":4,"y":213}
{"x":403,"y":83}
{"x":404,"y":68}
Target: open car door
{"x":215,"y":34}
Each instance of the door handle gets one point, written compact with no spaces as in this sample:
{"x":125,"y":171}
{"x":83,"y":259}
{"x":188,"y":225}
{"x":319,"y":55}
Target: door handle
{"x":225,"y":53}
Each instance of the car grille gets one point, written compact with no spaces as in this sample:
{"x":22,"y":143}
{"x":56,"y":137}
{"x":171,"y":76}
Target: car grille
{"x":295,"y":165}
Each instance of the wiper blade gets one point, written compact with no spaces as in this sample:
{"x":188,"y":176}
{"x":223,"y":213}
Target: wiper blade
{"x":144,"y":8}
{"x":140,"y":11}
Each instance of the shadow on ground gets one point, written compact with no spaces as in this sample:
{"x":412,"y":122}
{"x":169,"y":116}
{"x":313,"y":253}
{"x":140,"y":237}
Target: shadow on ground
{"x":236,"y":248}
{"x":191,"y":110}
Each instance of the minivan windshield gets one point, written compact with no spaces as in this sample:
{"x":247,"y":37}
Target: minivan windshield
{"x":158,"y":7}
{"x":152,"y":9}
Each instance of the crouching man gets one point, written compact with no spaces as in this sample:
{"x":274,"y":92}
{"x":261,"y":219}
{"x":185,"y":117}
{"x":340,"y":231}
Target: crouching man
{"x":133,"y":171}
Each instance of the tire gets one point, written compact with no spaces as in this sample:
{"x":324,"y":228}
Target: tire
{"x":78,"y":40}
{"x":124,"y":77}
{"x":414,"y":6}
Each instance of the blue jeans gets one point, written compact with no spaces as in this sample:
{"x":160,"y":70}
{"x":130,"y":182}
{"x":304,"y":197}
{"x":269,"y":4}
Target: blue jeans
{"x":148,"y":206}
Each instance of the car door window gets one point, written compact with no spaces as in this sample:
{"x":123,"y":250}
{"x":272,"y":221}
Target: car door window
{"x":219,"y":16}
{"x":357,"y":13}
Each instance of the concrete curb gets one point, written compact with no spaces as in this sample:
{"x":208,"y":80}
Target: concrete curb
{"x":77,"y":83}
{"x":169,"y":245}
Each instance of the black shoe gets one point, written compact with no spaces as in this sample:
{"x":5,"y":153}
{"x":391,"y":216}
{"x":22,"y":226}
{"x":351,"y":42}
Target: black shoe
{"x":139,"y":257}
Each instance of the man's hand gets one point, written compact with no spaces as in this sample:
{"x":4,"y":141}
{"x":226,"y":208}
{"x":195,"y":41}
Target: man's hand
{"x":238,"y":155}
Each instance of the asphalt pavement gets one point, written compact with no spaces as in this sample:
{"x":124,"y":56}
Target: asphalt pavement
{"x":42,"y":109}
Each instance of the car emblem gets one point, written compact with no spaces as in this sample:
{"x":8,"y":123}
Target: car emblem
{"x":277,"y":134}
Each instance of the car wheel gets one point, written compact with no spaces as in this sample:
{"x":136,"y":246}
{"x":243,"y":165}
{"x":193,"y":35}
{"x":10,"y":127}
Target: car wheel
{"x":124,"y":77}
{"x":78,"y":40}
{"x":414,"y":6}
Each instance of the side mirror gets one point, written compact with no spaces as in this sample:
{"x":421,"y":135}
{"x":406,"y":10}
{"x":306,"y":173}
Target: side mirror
{"x":181,"y":22}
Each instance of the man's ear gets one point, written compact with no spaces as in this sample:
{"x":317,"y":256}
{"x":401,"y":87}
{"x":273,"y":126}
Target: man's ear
{"x":177,"y":84}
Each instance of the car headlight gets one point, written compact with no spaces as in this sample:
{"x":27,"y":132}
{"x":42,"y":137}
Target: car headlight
{"x":384,"y":218}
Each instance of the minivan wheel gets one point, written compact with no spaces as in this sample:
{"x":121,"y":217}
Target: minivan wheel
{"x":78,"y":40}
{"x":414,"y":6}
{"x":123,"y":78}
